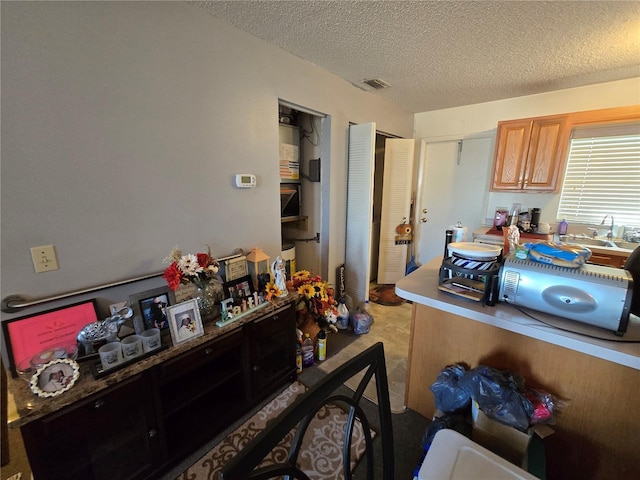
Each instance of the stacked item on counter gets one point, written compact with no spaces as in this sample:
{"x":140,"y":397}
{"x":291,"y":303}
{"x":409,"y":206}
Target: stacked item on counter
{"x":470,"y":270}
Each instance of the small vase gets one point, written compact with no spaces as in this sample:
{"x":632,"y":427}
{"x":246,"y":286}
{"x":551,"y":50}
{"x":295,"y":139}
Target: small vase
{"x":207,"y":295}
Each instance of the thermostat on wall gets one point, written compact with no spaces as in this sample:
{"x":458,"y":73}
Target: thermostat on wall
{"x":245,"y":180}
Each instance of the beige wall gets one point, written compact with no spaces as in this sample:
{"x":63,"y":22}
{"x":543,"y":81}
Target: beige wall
{"x":462,"y":122}
{"x":123,"y":124}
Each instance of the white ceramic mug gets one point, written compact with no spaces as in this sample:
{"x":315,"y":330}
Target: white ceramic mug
{"x":150,"y":339}
{"x":110,"y":355}
{"x":131,"y":346}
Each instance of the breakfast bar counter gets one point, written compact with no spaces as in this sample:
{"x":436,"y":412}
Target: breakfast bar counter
{"x":594,"y":372}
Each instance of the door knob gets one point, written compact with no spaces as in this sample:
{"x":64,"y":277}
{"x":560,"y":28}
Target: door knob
{"x":423,"y":220}
{"x":424,"y":210}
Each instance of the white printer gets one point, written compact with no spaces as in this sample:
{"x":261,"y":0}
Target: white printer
{"x":592,"y":294}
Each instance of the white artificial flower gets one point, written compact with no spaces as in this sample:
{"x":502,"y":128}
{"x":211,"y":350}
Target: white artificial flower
{"x":189,"y":265}
{"x":212,"y":269}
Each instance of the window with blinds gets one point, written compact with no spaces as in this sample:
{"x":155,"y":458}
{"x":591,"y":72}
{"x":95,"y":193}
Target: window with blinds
{"x":603,"y":176}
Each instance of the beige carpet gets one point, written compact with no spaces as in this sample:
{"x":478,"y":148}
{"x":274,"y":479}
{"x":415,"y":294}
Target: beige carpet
{"x":391,"y":326}
{"x":321,"y":453}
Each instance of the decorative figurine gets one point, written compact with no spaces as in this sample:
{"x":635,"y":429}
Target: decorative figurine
{"x":279,"y":276}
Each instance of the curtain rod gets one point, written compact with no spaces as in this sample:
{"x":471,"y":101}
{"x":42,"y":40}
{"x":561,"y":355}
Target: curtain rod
{"x":15,"y":303}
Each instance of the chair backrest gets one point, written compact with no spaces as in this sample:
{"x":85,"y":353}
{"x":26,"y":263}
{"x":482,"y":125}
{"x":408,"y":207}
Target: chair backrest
{"x":300,"y":414}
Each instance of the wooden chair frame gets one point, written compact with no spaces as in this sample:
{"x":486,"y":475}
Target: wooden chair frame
{"x":303,"y":410}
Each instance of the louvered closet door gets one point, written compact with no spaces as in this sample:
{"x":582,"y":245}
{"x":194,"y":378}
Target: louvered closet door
{"x":359,"y":211}
{"x":396,"y":206}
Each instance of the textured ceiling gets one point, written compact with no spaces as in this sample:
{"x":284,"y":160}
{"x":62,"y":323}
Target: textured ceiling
{"x":441,"y":54}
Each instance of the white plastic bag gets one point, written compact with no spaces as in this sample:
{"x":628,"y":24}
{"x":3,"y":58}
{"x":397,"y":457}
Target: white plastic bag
{"x":361,"y":321}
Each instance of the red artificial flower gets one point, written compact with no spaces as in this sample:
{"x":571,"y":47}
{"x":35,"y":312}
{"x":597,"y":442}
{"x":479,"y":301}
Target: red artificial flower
{"x":173,"y":276}
{"x":203,"y":259}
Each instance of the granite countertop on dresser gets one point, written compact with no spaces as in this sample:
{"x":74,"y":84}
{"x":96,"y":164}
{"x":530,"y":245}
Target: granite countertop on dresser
{"x":421,"y":286}
{"x":31,"y":407}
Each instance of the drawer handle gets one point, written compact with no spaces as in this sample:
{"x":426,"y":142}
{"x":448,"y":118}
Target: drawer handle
{"x":152,"y":433}
{"x":99,"y":404}
{"x":208,"y":351}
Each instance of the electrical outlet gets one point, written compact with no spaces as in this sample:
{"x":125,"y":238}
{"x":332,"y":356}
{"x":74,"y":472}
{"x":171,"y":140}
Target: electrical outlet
{"x":44,"y":258}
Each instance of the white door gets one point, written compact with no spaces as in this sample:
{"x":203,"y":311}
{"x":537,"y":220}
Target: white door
{"x":359,"y":211}
{"x":396,"y":207}
{"x":453,"y":185}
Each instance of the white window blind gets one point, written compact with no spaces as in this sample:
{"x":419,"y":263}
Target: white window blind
{"x":603,"y":176}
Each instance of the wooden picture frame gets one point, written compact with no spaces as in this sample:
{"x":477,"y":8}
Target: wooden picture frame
{"x":185,"y":322}
{"x":151,"y":306}
{"x":54,"y":378}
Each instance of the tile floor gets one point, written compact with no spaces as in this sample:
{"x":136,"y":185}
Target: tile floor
{"x":391,"y":326}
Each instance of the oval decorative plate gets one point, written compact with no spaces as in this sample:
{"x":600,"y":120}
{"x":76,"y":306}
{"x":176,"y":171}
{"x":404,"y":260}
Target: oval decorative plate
{"x":481,"y":251}
{"x":55,"y":377}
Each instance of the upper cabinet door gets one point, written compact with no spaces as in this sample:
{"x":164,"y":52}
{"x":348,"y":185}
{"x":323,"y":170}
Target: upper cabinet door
{"x":512,"y":145}
{"x":549,"y":139}
{"x":530,"y":154}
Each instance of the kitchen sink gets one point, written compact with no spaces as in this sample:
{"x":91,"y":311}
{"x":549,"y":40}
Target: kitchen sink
{"x":627,"y":245}
{"x":596,"y":242}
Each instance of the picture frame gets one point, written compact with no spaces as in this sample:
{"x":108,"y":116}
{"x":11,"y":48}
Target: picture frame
{"x":185,"y":323}
{"x":239,"y":288}
{"x":30,"y":335}
{"x":151,"y":306}
{"x":55,"y":377}
{"x":233,"y":267}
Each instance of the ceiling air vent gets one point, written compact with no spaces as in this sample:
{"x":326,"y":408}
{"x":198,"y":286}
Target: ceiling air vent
{"x":376,"y":83}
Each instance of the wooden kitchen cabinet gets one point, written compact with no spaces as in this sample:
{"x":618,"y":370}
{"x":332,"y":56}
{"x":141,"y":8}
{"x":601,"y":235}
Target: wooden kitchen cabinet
{"x":530,"y":154}
{"x":610,"y":260}
{"x":113,"y":434}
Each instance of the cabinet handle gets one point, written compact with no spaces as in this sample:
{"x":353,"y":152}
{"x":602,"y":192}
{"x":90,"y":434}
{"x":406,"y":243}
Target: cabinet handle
{"x":152,"y":433}
{"x":275,"y":317}
{"x":256,"y":368}
{"x":99,"y":404}
{"x":208,"y":351}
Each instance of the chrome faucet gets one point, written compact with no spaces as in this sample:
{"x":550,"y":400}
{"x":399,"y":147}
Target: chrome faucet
{"x":610,"y":232}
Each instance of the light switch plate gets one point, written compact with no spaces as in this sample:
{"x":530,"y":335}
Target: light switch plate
{"x":44,"y":258}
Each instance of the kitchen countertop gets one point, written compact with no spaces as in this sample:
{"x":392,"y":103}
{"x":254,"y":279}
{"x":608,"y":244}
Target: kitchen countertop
{"x":31,"y":407}
{"x":488,"y":233}
{"x":421,"y":286}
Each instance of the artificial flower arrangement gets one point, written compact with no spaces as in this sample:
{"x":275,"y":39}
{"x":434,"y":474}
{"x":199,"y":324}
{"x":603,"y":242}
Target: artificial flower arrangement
{"x":198,"y":269}
{"x":317,"y":298}
{"x":272,"y":290}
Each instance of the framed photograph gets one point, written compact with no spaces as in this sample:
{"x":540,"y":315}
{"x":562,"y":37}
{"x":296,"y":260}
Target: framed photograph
{"x":28,"y":336}
{"x":238,"y":289}
{"x":184,"y":321}
{"x":55,"y":377}
{"x":152,"y":305}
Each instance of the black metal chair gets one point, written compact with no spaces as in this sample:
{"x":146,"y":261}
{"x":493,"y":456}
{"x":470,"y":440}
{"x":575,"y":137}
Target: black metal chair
{"x":300,"y":414}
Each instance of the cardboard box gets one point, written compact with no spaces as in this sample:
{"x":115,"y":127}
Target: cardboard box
{"x":508,"y":442}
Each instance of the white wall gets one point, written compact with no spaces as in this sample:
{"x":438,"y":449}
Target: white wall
{"x":123,"y":124}
{"x":470,"y":120}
